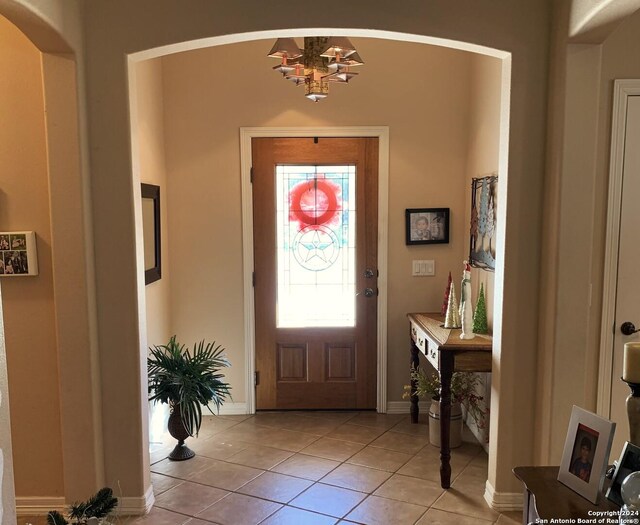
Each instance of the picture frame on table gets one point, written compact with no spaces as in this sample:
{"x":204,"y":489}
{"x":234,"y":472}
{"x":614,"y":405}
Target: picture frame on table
{"x":629,"y":462}
{"x":586,"y":453}
{"x":427,"y":226}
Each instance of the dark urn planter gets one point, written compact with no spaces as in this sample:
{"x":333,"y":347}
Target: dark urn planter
{"x":177,"y":431}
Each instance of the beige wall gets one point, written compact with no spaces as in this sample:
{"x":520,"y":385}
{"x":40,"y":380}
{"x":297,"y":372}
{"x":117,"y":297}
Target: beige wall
{"x":428,"y":148}
{"x":150,"y":128}
{"x":482,"y":160}
{"x":30,"y":330}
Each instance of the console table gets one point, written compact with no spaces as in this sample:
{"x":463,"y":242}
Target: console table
{"x":545,"y":498}
{"x":447,"y":353}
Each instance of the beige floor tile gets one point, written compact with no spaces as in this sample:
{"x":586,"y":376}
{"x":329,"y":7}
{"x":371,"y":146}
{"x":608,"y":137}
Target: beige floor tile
{"x":313,"y":425}
{"x":260,"y":457}
{"x":440,"y":517}
{"x":304,"y":466}
{"x":156,"y":516}
{"x":190,"y":498}
{"x":159,"y":453}
{"x":382,"y":511}
{"x":212,"y":425}
{"x":510,"y":518}
{"x":293,"y":516}
{"x":325,"y":499}
{"x":196,"y":521}
{"x":427,"y":468}
{"x":407,"y":443}
{"x":380,"y":458}
{"x":288,"y":439}
{"x":411,"y":490}
{"x":355,"y":477}
{"x":373,"y":419}
{"x":162,"y":483}
{"x":335,"y":449}
{"x":238,"y":509}
{"x":466,"y":500}
{"x":356,"y":433}
{"x":275,"y":487}
{"x":405,"y":426}
{"x":334,"y":415}
{"x":227,"y":476}
{"x":182,"y":469}
{"x":216,"y":448}
{"x":474,"y":470}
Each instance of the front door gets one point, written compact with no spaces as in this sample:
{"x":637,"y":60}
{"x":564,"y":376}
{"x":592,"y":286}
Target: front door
{"x":315,"y":203}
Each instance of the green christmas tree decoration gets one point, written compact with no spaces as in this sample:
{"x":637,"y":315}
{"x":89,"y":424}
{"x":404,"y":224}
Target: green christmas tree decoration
{"x":480,"y":325}
{"x":445,"y":302}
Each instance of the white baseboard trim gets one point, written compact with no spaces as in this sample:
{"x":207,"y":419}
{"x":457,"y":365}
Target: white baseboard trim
{"x":502,"y":501}
{"x":36,"y":506}
{"x":136,"y":506}
{"x":402,"y":407}
{"x":232,"y":409}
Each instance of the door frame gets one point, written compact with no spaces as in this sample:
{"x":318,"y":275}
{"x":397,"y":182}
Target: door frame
{"x":248,"y":133}
{"x":622,"y":90}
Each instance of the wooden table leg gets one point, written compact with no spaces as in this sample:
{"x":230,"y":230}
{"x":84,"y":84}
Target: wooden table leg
{"x":446,"y":372}
{"x":415,"y":363}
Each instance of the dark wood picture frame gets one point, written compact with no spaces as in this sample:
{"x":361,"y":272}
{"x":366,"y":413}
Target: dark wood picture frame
{"x":151,"y":233}
{"x":482,"y":235}
{"x":427,"y":226}
{"x":629,"y":462}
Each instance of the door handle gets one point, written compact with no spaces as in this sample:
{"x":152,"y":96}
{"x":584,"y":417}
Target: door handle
{"x":628,"y":328}
{"x":368,"y":292}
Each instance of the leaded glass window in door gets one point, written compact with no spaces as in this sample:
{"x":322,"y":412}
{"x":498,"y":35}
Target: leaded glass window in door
{"x":316,"y":245}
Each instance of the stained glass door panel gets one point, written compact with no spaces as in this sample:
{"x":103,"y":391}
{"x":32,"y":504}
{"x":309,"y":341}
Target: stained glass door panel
{"x":315,"y":245}
{"x":315,"y":233}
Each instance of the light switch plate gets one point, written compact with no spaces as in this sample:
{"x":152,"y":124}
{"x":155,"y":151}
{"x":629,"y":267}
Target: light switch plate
{"x":423,"y":268}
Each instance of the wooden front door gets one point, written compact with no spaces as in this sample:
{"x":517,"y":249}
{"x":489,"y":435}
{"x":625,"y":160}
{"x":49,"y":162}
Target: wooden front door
{"x":315,"y":204}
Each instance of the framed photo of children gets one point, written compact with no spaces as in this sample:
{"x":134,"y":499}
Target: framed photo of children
{"x":427,"y":225}
{"x":586,"y":453}
{"x":629,"y":462}
{"x":18,"y":254}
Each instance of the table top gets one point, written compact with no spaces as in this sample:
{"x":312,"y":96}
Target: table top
{"x":555,"y":500}
{"x":449,"y":338}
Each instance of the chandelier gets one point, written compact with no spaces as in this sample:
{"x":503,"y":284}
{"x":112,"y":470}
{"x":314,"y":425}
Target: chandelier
{"x":322,"y":61}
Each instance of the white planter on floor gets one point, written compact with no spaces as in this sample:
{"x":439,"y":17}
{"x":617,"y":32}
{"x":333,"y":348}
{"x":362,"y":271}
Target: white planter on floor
{"x":455,"y":433}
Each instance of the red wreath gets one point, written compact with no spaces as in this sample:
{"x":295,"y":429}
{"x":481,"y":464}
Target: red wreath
{"x":319,"y":185}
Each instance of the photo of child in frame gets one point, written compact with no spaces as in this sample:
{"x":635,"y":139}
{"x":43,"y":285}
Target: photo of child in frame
{"x":427,"y":225}
{"x":583,"y":449}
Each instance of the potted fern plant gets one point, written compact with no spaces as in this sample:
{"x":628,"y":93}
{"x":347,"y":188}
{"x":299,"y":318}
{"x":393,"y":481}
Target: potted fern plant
{"x":187,"y":380}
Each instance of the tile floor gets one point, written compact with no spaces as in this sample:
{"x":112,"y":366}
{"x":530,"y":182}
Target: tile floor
{"x":316,"y":468}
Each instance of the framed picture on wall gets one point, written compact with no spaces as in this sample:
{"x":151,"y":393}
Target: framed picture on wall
{"x":427,"y":225}
{"x":18,"y":257}
{"x":586,"y":453}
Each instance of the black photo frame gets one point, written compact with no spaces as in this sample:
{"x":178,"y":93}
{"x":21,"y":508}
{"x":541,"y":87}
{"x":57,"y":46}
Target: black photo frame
{"x":151,"y":232}
{"x":427,"y":226}
{"x":629,"y":462}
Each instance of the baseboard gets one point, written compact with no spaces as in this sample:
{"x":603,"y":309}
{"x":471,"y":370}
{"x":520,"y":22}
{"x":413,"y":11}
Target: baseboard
{"x":136,"y":506}
{"x":402,"y":407}
{"x":502,"y":501}
{"x":231,"y":409}
{"x":35,"y":506}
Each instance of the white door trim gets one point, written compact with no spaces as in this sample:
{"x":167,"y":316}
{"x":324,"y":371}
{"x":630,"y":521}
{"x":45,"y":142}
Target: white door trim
{"x":622,"y":90}
{"x":246,"y":134}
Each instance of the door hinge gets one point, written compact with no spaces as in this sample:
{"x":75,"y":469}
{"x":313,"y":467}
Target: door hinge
{"x":251,"y":175}
{"x":253,"y":279}
{"x":256,"y":378}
